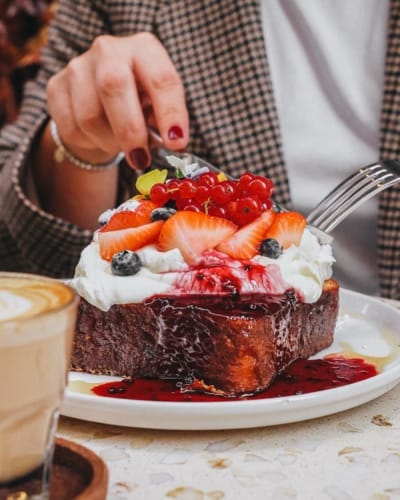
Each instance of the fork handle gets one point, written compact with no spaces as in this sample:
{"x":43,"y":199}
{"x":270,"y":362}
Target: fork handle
{"x":155,"y":137}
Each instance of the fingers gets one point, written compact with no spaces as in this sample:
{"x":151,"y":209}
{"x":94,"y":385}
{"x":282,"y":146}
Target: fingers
{"x":162,"y":84}
{"x":60,"y":108}
{"x":81,"y":125}
{"x":87,"y":108}
{"x":148,"y":71}
{"x":97,"y":100}
{"x":117,"y":90}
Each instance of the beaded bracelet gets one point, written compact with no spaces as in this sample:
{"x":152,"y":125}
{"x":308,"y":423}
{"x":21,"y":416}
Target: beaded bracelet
{"x":61,"y":153}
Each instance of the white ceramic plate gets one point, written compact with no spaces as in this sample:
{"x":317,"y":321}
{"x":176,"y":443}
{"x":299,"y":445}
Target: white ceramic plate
{"x":366,"y":326}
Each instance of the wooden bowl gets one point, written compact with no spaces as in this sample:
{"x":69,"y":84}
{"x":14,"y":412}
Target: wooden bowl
{"x":78,"y":473}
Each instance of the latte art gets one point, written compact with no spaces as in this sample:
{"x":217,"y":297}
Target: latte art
{"x":22,"y":298}
{"x":12,"y":306}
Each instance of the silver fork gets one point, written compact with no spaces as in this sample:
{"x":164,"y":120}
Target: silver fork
{"x":359,"y":187}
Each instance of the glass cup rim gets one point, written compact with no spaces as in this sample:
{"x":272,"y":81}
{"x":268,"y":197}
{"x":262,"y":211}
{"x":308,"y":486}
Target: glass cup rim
{"x":40,"y":278}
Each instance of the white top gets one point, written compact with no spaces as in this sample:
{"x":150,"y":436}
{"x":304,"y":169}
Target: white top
{"x":327,"y":65}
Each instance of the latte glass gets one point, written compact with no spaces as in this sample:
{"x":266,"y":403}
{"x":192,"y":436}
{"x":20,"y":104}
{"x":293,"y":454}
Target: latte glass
{"x":37,"y":322}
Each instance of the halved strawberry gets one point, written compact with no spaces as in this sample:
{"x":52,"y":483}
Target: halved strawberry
{"x":245,"y":242}
{"x":131,"y":238}
{"x":287,"y":228}
{"x":194,"y":232}
{"x":130,"y":218}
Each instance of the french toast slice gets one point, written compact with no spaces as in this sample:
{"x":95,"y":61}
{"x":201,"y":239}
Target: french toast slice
{"x":235,"y":345}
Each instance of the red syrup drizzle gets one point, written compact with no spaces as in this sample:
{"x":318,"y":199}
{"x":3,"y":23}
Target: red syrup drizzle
{"x":301,"y":377}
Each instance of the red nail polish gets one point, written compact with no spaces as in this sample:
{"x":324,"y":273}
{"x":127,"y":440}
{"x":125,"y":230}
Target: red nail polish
{"x":175,"y":132}
{"x":139,"y":158}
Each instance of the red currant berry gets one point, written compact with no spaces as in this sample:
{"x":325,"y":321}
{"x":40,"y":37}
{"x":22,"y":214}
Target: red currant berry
{"x":231,"y":211}
{"x":173,"y":189}
{"x":266,"y":205}
{"x":244,"y":182}
{"x":207,"y":179}
{"x":268,"y":182}
{"x":222,"y":192}
{"x":234,"y":185}
{"x":192,"y":207}
{"x":181,"y":203}
{"x":247,"y":210}
{"x":187,"y":189}
{"x":202,"y":194}
{"x":260,"y":188}
{"x":217,"y":211}
{"x":159,"y":194}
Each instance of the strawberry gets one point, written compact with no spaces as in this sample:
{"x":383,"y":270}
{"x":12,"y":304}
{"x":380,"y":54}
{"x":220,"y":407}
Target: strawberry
{"x":130,"y":218}
{"x":194,"y":232}
{"x":287,"y":228}
{"x":131,"y":238}
{"x":245,"y":242}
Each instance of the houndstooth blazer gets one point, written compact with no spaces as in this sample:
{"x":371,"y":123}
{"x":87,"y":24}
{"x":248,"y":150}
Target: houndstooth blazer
{"x":219,"y":51}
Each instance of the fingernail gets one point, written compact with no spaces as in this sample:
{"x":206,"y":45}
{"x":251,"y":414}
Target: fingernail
{"x":139,"y":158}
{"x":175,"y":132}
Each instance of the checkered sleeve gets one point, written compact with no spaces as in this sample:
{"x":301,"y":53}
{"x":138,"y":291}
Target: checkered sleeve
{"x":32,"y":240}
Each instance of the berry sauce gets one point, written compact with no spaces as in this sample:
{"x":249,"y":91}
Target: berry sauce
{"x":221,"y":275}
{"x":301,"y":377}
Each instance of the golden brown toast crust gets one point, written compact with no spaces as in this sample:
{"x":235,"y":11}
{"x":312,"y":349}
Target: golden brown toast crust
{"x":236,"y":345}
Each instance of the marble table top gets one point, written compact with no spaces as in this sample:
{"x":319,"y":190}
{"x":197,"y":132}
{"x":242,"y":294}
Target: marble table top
{"x":351,"y":455}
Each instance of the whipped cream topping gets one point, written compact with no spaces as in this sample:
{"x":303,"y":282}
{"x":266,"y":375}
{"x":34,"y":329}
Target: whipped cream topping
{"x":304,"y":268}
{"x":95,"y":282}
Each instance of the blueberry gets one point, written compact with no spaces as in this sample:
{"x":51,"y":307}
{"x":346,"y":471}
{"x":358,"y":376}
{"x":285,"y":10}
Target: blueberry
{"x":162,"y":213}
{"x":125,"y":263}
{"x":271,"y":248}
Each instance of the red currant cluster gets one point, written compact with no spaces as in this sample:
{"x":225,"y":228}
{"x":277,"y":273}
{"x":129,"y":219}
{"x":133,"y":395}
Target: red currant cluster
{"x":240,"y":201}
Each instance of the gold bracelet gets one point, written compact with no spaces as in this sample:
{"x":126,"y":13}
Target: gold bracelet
{"x":61,"y":153}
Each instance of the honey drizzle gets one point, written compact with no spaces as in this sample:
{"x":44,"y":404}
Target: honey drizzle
{"x":381,"y":362}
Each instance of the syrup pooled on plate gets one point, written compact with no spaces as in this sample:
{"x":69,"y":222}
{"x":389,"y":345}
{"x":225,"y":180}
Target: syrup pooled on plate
{"x":301,"y":377}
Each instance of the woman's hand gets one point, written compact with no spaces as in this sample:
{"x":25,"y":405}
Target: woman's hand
{"x":103,"y":99}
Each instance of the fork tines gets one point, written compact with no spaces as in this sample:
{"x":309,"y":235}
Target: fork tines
{"x":365,"y":183}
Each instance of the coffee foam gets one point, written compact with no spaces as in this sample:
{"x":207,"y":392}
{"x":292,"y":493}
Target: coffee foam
{"x":23,"y":297}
